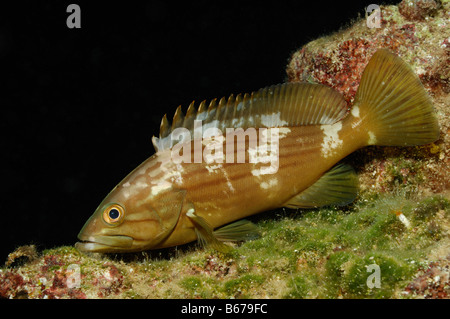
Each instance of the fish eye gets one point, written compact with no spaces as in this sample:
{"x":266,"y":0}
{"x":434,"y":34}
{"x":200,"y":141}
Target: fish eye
{"x":113,"y":214}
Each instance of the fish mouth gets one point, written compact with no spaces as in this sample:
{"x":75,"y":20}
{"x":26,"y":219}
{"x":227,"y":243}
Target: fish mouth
{"x":104,"y":243}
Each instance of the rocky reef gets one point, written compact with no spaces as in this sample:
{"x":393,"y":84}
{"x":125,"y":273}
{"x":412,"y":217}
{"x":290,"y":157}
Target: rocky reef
{"x":392,"y":242}
{"x":418,"y":32}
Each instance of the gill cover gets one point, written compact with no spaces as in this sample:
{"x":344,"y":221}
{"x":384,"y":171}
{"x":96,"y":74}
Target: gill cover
{"x":169,"y":207}
{"x":116,"y":227}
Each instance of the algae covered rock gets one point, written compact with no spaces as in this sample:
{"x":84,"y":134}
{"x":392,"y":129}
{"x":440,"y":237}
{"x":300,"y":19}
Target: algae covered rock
{"x":419,"y":32}
{"x":363,"y":251}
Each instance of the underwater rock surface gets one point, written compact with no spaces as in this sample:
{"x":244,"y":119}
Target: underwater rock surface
{"x":393,"y":242}
{"x":418,"y":32}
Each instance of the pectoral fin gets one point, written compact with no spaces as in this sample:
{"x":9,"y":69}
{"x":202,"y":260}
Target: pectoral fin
{"x":205,"y":233}
{"x":338,"y":186}
{"x":237,"y":231}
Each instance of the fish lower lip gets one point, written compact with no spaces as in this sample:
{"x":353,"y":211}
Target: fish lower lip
{"x":104,"y":243}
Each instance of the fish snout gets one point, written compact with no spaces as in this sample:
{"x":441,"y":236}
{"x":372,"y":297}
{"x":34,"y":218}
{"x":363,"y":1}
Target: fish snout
{"x":104,"y":243}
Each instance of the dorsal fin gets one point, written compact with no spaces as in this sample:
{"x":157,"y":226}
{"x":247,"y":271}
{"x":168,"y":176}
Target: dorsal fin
{"x":287,"y":104}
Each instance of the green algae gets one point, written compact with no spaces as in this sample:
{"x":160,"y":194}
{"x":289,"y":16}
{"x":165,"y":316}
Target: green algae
{"x":242,"y":285}
{"x":192,"y":284}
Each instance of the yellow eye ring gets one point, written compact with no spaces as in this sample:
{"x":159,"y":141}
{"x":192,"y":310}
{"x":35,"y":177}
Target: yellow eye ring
{"x":113,"y":214}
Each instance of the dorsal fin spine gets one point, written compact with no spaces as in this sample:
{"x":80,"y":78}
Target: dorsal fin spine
{"x":288,"y":104}
{"x":212,"y":106}
{"x":164,"y":127}
{"x":228,"y":110}
{"x":220,"y":109}
{"x":202,"y":111}
{"x":201,"y":107}
{"x":177,"y":118}
{"x":191,"y":110}
{"x":188,"y":121}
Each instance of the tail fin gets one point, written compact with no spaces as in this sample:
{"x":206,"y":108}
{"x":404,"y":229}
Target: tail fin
{"x":395,"y":105}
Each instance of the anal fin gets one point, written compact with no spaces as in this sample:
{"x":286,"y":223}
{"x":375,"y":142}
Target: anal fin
{"x":338,"y":186}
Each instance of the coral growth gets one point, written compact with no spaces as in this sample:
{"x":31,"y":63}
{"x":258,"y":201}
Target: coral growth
{"x":417,"y":9}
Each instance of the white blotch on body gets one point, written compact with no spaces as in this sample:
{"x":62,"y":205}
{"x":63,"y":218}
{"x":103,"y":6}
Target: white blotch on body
{"x":230,"y":186}
{"x":270,"y":183}
{"x":331,"y":139}
{"x":355,"y":111}
{"x":283,"y":132}
{"x":213,"y":168}
{"x":161,"y":186}
{"x":272,"y":120}
{"x":372,"y":138}
{"x":172,"y":174}
{"x":268,"y":152}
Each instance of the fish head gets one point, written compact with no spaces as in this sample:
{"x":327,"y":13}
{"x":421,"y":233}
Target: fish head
{"x":125,"y":224}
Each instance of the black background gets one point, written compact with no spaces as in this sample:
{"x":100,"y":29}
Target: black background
{"x":79,"y":106}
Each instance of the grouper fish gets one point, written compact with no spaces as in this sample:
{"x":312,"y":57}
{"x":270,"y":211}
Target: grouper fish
{"x":284,"y":149}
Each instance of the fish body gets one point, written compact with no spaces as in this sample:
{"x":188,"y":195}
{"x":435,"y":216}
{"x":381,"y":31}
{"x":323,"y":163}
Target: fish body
{"x":284,"y":155}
